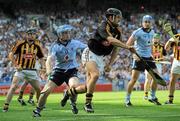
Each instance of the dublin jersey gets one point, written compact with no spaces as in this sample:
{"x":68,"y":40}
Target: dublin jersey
{"x":65,"y":54}
{"x":143,"y":42}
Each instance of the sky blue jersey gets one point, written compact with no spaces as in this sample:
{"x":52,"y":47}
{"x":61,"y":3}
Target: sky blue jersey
{"x":143,"y":42}
{"x":65,"y":55}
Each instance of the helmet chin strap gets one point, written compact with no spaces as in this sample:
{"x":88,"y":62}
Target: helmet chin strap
{"x":112,"y":21}
{"x":113,"y":18}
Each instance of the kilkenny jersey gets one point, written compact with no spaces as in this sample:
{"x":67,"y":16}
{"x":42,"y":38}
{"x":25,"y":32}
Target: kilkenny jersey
{"x":158,"y":52}
{"x":99,"y":44}
{"x":26,"y":53}
{"x":176,"y":48}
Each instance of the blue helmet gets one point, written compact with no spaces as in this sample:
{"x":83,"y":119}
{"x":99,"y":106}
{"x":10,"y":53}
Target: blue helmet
{"x":147,"y":18}
{"x":64,"y":28}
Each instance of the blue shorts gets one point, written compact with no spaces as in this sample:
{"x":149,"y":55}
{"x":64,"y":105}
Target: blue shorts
{"x":139,"y":65}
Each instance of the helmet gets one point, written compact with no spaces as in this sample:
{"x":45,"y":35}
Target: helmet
{"x":31,"y":31}
{"x":64,"y":28}
{"x":157,"y":36}
{"x":147,"y":18}
{"x":113,"y":11}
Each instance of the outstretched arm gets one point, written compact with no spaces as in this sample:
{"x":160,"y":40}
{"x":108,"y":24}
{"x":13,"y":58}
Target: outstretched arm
{"x":112,"y":59}
{"x":116,"y":42}
{"x":130,"y":41}
{"x":49,"y":64}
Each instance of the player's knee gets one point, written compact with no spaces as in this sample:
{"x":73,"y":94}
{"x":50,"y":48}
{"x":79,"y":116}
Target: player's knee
{"x":45,"y":91}
{"x":73,"y":82}
{"x":14,"y":87}
{"x":37,"y":89}
{"x":173,"y":78}
{"x":154,"y":82}
{"x":85,"y":88}
{"x":44,"y":94}
{"x":95,"y":75}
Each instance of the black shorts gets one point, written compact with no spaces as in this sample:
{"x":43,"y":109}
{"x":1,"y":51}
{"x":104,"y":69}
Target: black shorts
{"x":138,"y":65}
{"x":59,"y":76}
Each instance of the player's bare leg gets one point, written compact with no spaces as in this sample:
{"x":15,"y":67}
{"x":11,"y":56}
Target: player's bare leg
{"x":73,"y":82}
{"x":92,"y":77}
{"x":48,"y":88}
{"x":135,"y":75}
{"x":10,"y":93}
{"x":21,"y":92}
{"x":36,"y":86}
{"x":172,"y":83}
{"x":153,"y":97}
{"x":31,"y":94}
{"x":147,"y":85}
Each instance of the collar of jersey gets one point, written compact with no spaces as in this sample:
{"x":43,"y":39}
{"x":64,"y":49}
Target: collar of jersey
{"x":65,"y":44}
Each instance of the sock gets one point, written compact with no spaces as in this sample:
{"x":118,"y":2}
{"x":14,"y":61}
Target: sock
{"x":38,"y":109}
{"x":31,"y":96}
{"x":73,"y":99}
{"x":20,"y":95}
{"x":128,"y":97}
{"x":6,"y":105}
{"x":72,"y":92}
{"x":146,"y":94}
{"x":153,"y":94}
{"x":89,"y":97}
{"x":171,"y":97}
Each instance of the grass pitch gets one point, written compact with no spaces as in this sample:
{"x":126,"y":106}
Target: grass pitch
{"x":109,"y":106}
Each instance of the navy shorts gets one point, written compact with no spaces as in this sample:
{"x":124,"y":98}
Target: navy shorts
{"x":139,"y":65}
{"x":59,"y":76}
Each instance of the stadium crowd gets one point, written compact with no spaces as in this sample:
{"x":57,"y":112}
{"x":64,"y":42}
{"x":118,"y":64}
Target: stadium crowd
{"x":85,"y":23}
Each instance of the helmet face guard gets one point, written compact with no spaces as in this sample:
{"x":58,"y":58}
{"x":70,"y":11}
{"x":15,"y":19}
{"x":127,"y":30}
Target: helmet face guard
{"x":32,"y":34}
{"x":31,"y":31}
{"x":114,"y":12}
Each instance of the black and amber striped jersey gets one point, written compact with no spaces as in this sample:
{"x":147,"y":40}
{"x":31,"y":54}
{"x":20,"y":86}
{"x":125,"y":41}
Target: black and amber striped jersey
{"x":176,"y":47}
{"x":27,"y":53}
{"x":99,"y":44}
{"x":158,"y":52}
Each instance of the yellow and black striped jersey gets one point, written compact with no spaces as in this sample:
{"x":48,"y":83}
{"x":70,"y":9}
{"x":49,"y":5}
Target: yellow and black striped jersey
{"x":176,"y":48}
{"x":158,"y":52}
{"x":26,"y":53}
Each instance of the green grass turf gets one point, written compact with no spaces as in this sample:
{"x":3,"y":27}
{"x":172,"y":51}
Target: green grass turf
{"x":109,"y":106}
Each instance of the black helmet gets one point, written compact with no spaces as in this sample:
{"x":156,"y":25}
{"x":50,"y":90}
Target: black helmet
{"x":113,"y":11}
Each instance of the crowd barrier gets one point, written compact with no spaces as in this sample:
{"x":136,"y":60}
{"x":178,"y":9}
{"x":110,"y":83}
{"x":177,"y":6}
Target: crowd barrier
{"x":99,"y":88}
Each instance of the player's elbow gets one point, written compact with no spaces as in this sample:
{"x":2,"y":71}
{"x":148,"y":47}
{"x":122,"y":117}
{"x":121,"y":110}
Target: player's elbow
{"x":130,"y":41}
{"x":110,"y":39}
{"x":167,"y":46}
{"x":11,"y":56}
